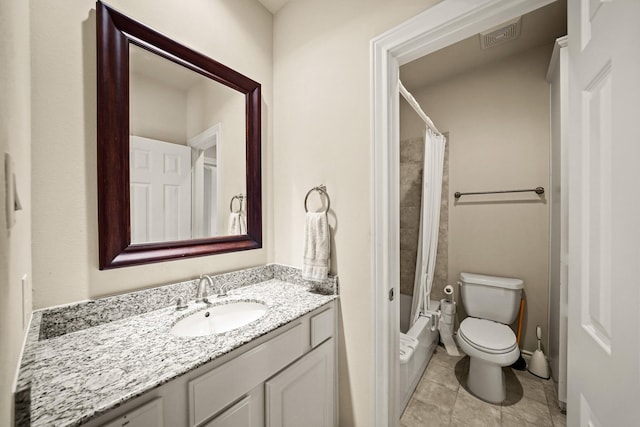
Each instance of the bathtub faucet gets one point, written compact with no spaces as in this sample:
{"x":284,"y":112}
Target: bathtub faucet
{"x":434,"y":319}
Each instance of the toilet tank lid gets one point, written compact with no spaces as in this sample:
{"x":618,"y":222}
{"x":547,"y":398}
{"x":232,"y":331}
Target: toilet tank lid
{"x":500,"y":282}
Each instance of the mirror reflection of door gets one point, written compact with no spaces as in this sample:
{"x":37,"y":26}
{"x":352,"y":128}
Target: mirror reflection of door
{"x":211,"y":213}
{"x":160,"y":191}
{"x":173,"y":105}
{"x":206,"y":182}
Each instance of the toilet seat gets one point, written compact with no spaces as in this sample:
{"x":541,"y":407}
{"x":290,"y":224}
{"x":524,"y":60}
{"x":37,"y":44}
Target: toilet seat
{"x":487,"y":336}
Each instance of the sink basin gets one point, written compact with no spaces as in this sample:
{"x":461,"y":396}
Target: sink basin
{"x":219,"y":319}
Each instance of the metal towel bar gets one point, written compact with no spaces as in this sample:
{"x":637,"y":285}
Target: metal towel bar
{"x":537,"y":190}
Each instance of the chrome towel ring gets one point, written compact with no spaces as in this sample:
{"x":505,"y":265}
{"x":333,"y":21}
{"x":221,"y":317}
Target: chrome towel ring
{"x":239,"y":198}
{"x":322,"y":189}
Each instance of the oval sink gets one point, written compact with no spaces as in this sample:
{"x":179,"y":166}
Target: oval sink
{"x":219,"y":319}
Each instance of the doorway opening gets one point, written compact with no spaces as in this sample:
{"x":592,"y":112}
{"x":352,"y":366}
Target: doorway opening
{"x":442,"y":25}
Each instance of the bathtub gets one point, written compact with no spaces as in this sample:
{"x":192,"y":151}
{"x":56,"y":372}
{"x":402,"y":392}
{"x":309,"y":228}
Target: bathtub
{"x":425,"y":340}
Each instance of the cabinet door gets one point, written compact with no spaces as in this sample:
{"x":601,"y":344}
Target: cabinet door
{"x":239,"y":415}
{"x":212,"y":392}
{"x":304,"y":393}
{"x":147,"y":415}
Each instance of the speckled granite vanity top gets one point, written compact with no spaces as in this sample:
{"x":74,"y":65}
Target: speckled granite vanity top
{"x":79,"y":362}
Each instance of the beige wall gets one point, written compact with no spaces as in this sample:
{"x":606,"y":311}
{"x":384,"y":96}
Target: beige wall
{"x":322,"y":136}
{"x":15,"y":244}
{"x":157,"y":110}
{"x":65,"y":234}
{"x":497,"y":117}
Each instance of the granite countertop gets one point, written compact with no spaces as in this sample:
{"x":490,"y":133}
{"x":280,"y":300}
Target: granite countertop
{"x":77,"y":376}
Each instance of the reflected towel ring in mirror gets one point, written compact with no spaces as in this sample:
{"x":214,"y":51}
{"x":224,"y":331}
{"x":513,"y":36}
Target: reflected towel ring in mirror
{"x":239,"y":198}
{"x":322,"y":190}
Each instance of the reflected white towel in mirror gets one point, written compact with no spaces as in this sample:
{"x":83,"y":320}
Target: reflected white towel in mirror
{"x":237,"y":223}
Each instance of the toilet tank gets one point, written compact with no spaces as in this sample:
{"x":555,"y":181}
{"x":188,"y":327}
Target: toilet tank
{"x":491,"y":297}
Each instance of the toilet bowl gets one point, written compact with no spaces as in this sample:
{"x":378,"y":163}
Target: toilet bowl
{"x":490,"y":346}
{"x":492,"y":303}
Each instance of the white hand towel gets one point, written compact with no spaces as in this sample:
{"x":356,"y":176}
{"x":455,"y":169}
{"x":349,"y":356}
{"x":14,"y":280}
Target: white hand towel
{"x":317,"y":241}
{"x":237,"y":223}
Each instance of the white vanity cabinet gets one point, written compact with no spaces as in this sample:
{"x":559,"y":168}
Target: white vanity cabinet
{"x":212,"y":392}
{"x":285,"y":378}
{"x":304,"y":393}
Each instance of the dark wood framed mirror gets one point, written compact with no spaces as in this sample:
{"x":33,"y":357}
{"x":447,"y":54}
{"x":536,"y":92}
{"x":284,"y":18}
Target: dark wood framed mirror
{"x":116,"y":35}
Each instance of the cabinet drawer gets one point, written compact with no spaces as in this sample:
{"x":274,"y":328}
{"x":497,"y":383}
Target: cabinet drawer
{"x":211,"y":392}
{"x":321,"y":327}
{"x":147,"y":415}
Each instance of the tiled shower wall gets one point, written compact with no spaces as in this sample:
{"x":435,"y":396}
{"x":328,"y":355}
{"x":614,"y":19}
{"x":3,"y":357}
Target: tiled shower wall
{"x":411,"y":162}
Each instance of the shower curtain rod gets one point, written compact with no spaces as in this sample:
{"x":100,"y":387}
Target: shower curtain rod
{"x":414,"y":104}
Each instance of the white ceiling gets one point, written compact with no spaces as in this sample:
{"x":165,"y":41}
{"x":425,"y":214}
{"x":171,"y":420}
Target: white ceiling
{"x":273,"y":5}
{"x":540,"y":27}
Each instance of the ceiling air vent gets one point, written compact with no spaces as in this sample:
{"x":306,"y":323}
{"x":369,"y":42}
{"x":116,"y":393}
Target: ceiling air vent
{"x":500,"y":34}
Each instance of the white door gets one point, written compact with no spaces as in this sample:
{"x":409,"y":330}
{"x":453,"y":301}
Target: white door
{"x":210,"y":207}
{"x":204,"y":203}
{"x":206,"y":182}
{"x":160,"y":191}
{"x":558,"y":78}
{"x":604,"y":213}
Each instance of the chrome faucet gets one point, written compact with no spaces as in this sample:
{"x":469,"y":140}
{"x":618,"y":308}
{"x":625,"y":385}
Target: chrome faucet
{"x":203,"y":292}
{"x":181,"y":304}
{"x":222,"y":291}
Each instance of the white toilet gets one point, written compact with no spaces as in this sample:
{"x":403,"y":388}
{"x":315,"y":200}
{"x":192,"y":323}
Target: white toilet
{"x":492,"y":304}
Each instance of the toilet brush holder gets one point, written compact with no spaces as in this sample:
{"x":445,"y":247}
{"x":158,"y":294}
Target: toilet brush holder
{"x":538,"y":365}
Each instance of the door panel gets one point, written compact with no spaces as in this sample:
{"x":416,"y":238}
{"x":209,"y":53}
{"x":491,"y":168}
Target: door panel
{"x":160,"y":191}
{"x":604,"y":207}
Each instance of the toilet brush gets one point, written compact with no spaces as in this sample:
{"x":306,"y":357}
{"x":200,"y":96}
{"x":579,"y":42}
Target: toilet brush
{"x":538,"y":364}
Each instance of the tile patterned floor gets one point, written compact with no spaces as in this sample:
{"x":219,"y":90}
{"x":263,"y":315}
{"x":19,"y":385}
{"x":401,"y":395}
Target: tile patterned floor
{"x":441,"y":399}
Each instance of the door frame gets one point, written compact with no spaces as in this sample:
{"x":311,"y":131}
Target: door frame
{"x":437,"y":27}
{"x":211,"y":137}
